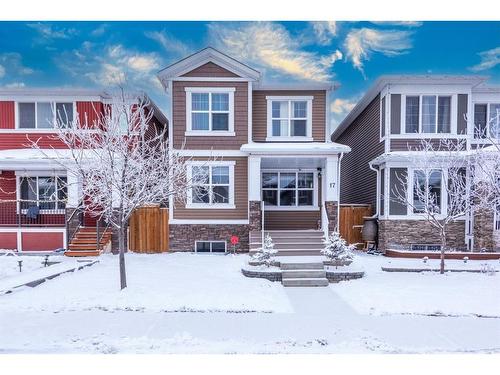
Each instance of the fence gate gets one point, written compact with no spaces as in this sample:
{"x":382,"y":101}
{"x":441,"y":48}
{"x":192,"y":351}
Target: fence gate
{"x":351,"y":221}
{"x":148,"y":230}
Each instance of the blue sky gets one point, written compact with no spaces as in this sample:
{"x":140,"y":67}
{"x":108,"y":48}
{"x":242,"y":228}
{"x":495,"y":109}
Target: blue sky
{"x":354,"y":54}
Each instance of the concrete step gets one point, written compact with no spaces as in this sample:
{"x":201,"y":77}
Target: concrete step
{"x":296,"y":234}
{"x":291,"y":240}
{"x":305,"y":282}
{"x":291,"y":246}
{"x":303,"y":274}
{"x":302,"y":266}
{"x":294,"y":252}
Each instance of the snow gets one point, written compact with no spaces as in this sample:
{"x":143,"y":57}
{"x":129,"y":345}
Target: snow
{"x":187,"y":303}
{"x":157,"y":282}
{"x":455,"y":293}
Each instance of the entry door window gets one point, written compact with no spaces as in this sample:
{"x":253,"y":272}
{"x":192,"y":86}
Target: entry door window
{"x":288,"y":189}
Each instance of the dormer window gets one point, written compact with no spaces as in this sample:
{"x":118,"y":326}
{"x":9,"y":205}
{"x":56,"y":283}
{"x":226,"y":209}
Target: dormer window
{"x":210,"y":111}
{"x":289,"y":118}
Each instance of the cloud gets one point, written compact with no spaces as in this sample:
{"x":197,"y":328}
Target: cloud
{"x":399,"y":23}
{"x":109,"y":65}
{"x":99,"y":31}
{"x":361,"y":43}
{"x":15,"y":85}
{"x":169,"y":43}
{"x":268,"y":45}
{"x":11,"y":63}
{"x":489,"y":59}
{"x":324,"y":31}
{"x":340,"y":106}
{"x":48,"y":33}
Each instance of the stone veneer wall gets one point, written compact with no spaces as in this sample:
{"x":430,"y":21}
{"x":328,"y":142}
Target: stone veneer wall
{"x":332,"y":212}
{"x":483,"y":231}
{"x":400,"y":234}
{"x":255,"y":215}
{"x":183,"y":236}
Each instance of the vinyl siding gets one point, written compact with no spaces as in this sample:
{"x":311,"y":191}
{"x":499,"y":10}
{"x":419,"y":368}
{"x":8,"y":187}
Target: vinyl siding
{"x":89,"y":112}
{"x":358,"y":183}
{"x":204,"y":142}
{"x":395,"y":113}
{"x":7,"y":111}
{"x":240,"y":198}
{"x":412,"y":144}
{"x":259,"y":112}
{"x":209,"y":70}
{"x":462,"y":113}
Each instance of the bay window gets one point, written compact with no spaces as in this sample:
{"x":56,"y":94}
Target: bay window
{"x":289,"y":117}
{"x":288,"y":189}
{"x":48,"y":193}
{"x":429,"y":114}
{"x":44,"y":115}
{"x":427,"y":195}
{"x":209,"y":111}
{"x":487,"y":120}
{"x":213,"y":185}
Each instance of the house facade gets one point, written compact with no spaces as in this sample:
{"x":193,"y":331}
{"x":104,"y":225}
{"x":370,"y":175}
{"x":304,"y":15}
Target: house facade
{"x":392,"y":119}
{"x":38,"y":198}
{"x":265,"y":149}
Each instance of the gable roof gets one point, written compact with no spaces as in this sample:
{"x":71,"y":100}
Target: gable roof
{"x":202,"y":57}
{"x":381,"y":82}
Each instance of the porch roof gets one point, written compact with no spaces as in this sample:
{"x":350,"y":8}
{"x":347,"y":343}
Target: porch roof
{"x":22,"y":159}
{"x":295,"y":148}
{"x":411,"y":156}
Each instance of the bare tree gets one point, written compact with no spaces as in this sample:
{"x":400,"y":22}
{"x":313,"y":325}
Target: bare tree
{"x":123,"y":161}
{"x":438,"y":189}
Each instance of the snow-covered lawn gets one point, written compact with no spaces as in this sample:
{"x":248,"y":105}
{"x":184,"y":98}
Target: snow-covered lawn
{"x":162,"y":282}
{"x":457,"y":293}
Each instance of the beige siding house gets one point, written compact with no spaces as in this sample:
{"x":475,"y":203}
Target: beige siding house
{"x":265,"y":149}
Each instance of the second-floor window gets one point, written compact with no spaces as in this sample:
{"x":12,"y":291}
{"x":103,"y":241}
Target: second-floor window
{"x":487,"y":120}
{"x":429,"y":114}
{"x":289,"y":117}
{"x":44,"y":115}
{"x":209,"y":111}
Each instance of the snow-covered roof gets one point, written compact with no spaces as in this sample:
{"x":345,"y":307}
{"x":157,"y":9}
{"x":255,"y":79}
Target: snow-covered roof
{"x":413,"y":155}
{"x":33,"y":158}
{"x":292,"y":148}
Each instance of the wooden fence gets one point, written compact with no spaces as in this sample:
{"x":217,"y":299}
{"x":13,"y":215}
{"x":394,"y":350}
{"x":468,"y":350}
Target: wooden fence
{"x":351,"y":221}
{"x":148,"y":230}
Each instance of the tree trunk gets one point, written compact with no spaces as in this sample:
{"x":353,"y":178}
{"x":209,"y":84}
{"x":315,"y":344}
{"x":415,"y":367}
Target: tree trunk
{"x":443,"y":248}
{"x":121,"y":244}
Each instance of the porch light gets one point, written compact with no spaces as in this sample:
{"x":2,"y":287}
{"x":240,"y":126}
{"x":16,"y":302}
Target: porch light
{"x":319,"y":171}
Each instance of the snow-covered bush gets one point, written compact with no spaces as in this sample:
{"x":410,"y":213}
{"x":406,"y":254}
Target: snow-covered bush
{"x":266,"y":253}
{"x":336,"y":248}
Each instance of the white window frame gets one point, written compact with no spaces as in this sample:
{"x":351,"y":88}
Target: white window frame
{"x":54,"y":114}
{"x":419,"y":134}
{"x":296,"y":207}
{"x":496,"y":220}
{"x":211,"y":242}
{"x":230,"y":204}
{"x":308,"y":99}
{"x":55,"y":211}
{"x":210,"y":90}
{"x":444,"y":197}
{"x":487,"y":104}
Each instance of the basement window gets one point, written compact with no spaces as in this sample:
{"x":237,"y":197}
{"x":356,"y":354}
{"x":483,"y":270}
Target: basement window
{"x":422,"y":247}
{"x":210,"y":246}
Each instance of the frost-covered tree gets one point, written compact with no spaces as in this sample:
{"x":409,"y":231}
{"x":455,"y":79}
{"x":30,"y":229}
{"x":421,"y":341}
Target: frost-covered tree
{"x":336,"y":248}
{"x":122,"y":161}
{"x":267,"y":252}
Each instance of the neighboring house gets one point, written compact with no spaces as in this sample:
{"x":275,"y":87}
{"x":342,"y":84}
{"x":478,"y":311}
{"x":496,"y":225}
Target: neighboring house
{"x":37,"y":196}
{"x":257,"y":144}
{"x":394,"y":116}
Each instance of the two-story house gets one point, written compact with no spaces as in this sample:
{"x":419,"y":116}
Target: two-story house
{"x":38,"y":197}
{"x":393,"y":117}
{"x":265,"y":149}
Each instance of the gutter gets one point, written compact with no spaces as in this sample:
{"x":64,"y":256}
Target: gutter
{"x":338,"y":187}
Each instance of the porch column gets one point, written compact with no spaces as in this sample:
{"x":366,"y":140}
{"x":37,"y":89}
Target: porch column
{"x":254,"y":197}
{"x":331,"y":191}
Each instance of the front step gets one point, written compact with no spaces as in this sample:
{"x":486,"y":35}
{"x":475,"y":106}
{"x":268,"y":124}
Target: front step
{"x":301,"y":266}
{"x":303,"y":274}
{"x":305,"y":282}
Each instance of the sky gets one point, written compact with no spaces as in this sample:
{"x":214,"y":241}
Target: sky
{"x":352,"y":54}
